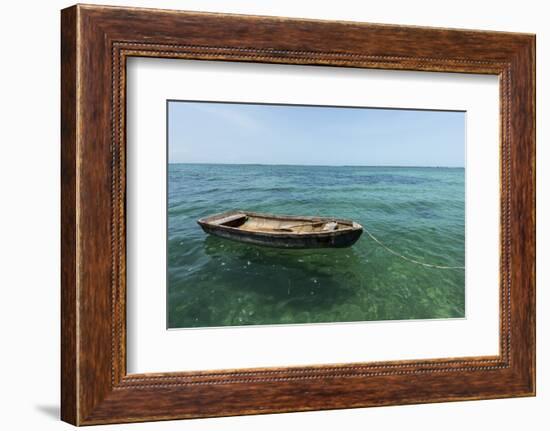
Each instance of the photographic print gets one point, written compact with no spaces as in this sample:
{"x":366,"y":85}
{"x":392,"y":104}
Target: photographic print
{"x":297,"y":214}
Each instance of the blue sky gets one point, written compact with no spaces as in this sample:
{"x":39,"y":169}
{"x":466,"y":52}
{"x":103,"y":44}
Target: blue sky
{"x":306,"y":135}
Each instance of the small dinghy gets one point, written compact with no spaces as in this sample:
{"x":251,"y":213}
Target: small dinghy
{"x":282,"y":231}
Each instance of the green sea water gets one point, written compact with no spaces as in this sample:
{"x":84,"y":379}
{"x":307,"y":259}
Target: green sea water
{"x":418,"y":212}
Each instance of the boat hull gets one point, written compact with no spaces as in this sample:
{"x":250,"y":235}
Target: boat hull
{"x":344,"y":237}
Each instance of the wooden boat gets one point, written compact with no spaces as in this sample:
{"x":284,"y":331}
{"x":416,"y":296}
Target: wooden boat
{"x":282,"y":231}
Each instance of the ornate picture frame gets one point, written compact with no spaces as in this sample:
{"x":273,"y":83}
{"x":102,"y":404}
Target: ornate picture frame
{"x":96,"y":41}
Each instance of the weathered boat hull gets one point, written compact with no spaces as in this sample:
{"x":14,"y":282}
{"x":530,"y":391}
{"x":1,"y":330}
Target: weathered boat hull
{"x":263,"y":230}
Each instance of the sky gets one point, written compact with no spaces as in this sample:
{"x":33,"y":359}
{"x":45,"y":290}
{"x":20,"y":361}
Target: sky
{"x":201,"y":132}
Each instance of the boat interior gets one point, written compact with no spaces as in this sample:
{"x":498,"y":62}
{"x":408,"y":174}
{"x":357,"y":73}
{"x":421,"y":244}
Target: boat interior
{"x":255,"y":223}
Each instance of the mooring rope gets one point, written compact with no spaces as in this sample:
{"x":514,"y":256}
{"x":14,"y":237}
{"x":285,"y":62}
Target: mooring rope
{"x":429,"y":265}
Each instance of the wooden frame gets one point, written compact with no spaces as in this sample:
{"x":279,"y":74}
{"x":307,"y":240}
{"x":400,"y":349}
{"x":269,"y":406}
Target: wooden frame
{"x":96,"y":41}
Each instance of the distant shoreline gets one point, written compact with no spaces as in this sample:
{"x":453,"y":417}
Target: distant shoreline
{"x":318,"y":166}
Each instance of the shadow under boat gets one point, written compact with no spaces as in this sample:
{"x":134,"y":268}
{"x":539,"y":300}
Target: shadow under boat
{"x":298,"y":280}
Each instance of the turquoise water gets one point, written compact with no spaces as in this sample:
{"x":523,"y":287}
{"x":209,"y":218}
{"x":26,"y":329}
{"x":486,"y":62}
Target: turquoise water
{"x":418,"y":212}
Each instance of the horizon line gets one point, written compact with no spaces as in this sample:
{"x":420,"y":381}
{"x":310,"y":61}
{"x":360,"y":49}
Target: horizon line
{"x":326,"y":166}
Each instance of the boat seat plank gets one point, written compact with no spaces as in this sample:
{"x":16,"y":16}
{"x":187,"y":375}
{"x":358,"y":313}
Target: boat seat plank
{"x":229,"y":219}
